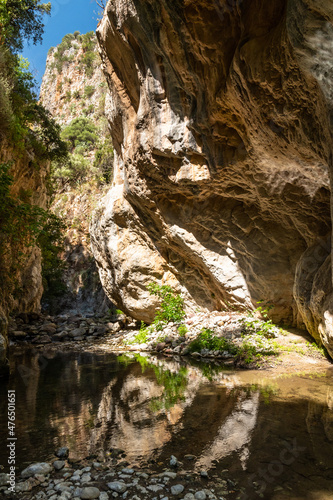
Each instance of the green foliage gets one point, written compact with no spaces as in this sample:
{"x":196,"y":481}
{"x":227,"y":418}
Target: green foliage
{"x":73,"y":171}
{"x":171,"y":307}
{"x":22,"y":19}
{"x":81,"y":131}
{"x":88,"y":91}
{"x":208,"y":340}
{"x":182,"y":330}
{"x":50,"y":241}
{"x":252,"y":324}
{"x":103,"y":163}
{"x":142,"y":336}
{"x":22,"y":225}
{"x":119,"y":312}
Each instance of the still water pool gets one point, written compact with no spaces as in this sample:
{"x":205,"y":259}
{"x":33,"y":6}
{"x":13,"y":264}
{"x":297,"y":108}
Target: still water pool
{"x":273,"y":435}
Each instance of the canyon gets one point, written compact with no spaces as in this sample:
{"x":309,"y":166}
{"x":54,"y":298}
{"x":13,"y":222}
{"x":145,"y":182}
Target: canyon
{"x":220,"y":115}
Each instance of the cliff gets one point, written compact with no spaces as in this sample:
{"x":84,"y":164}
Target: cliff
{"x":221,"y":116}
{"x":74,"y":87}
{"x":21,"y":285}
{"x":73,"y":84}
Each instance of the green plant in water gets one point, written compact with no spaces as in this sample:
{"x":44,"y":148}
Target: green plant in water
{"x":171,"y":307}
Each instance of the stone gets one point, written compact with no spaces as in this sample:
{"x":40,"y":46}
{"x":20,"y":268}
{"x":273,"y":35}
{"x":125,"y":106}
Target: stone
{"x":200,"y":495}
{"x":117,"y":486}
{"x":215,"y":194}
{"x":59,"y":464}
{"x":173,"y":461}
{"x":4,"y":478}
{"x":89,"y":493}
{"x":62,"y":452}
{"x":103,"y":496}
{"x":39,"y":468}
{"x":63,"y":487}
{"x":177,"y":489}
{"x":155,"y":488}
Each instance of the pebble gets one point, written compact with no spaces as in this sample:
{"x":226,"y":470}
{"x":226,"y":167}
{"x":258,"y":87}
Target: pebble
{"x":4,"y":478}
{"x":200,"y":495}
{"x":117,"y":486}
{"x":89,"y":493}
{"x":62,"y":452}
{"x":155,"y":488}
{"x":173,"y":461}
{"x":177,"y":489}
{"x":39,"y":468}
{"x":59,"y":464}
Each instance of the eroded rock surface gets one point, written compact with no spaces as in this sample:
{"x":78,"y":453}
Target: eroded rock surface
{"x":220,"y":115}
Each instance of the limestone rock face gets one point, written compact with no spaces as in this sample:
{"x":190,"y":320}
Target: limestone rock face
{"x":26,"y":277}
{"x":220,"y":115}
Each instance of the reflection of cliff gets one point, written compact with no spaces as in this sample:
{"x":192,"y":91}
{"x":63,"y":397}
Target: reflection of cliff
{"x":234,"y":434}
{"x":92,"y":402}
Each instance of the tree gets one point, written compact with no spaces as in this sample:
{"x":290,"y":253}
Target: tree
{"x":101,"y":4}
{"x":22,"y":19}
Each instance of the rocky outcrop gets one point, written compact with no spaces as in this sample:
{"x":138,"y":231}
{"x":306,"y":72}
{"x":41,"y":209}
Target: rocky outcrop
{"x":74,"y":86}
{"x":21,"y":285}
{"x":220,"y":115}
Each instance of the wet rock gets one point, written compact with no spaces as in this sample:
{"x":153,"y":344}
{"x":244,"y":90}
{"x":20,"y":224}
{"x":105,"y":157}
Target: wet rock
{"x":62,"y":452}
{"x":38,"y":468}
{"x":117,"y":486}
{"x":177,"y":489}
{"x":18,"y":335}
{"x":89,"y":493}
{"x":59,"y":464}
{"x":155,"y":488}
{"x":65,"y":486}
{"x":4,"y":478}
{"x":200,"y":495}
{"x":160,"y":346}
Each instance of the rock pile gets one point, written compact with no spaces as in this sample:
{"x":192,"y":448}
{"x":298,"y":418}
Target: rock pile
{"x":41,"y":329}
{"x":114,"y":478}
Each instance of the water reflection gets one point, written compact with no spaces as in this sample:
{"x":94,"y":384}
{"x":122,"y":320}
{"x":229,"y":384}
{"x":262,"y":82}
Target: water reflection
{"x":152,"y":408}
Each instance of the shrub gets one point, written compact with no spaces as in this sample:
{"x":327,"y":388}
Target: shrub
{"x":72,"y":171}
{"x":208,"y":340}
{"x":81,"y":131}
{"x":89,"y":91}
{"x":171,"y":307}
{"x":103,"y":163}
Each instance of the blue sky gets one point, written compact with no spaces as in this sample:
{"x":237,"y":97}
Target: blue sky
{"x":67,"y":16}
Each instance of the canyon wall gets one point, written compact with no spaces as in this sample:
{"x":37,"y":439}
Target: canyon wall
{"x":73,"y":87}
{"x":21,"y":286}
{"x":221,"y":117}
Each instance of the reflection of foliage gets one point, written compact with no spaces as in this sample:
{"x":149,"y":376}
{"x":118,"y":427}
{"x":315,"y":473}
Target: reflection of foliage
{"x":208,"y":370}
{"x":266,"y":391}
{"x":173,"y":383}
{"x":174,"y":386}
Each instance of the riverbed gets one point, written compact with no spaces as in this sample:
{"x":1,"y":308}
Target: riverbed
{"x":270,"y":433}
